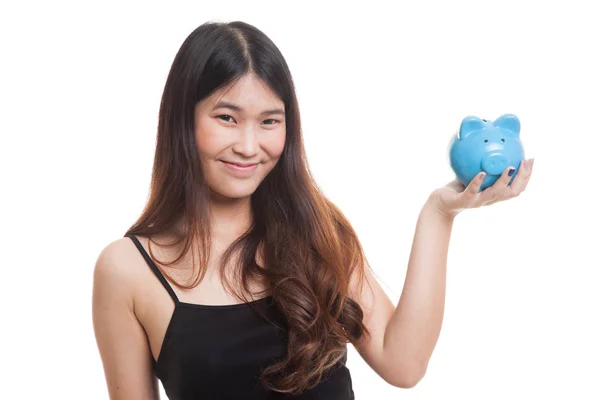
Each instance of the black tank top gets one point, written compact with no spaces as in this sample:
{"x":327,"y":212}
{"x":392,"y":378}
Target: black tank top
{"x":214,"y":352}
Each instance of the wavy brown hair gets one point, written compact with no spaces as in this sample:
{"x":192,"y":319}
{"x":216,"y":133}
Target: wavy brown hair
{"x":309,"y":250}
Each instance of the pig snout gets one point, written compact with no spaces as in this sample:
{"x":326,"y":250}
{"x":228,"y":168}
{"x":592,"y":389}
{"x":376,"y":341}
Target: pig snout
{"x":494,"y":164}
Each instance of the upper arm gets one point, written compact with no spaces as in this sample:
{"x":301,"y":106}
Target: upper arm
{"x":121,"y":339}
{"x":377,"y":312}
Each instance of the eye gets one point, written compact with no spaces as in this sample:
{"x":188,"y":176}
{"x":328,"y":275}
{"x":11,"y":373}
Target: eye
{"x":226,"y":118}
{"x":270,"y":121}
{"x":502,"y":139}
{"x":485,"y":140}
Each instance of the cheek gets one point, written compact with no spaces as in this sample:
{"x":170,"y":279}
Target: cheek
{"x":274,"y":147}
{"x":208,"y":141}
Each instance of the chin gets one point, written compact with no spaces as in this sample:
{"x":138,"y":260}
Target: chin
{"x":233,"y":193}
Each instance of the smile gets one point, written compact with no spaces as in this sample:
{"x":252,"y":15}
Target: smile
{"x":239,"y":167}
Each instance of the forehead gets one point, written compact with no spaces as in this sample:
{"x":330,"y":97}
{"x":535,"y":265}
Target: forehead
{"x":249,"y":93}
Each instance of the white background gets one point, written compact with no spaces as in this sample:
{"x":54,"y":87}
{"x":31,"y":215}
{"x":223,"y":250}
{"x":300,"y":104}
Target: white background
{"x":381,"y":88}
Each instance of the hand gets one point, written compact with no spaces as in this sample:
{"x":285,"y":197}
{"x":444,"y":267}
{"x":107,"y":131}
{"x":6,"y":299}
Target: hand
{"x":453,"y":198}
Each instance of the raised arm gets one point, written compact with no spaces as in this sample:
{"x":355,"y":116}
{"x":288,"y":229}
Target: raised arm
{"x":404,"y":336}
{"x":121,"y":339}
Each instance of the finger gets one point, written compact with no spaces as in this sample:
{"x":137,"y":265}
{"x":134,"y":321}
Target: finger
{"x":520,"y":182}
{"x":471,"y":192}
{"x":499,"y":190}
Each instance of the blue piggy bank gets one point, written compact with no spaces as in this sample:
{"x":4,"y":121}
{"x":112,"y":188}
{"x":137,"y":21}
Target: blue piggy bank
{"x":481,"y":145}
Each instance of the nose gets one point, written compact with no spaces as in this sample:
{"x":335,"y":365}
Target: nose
{"x":247,"y":142}
{"x":494,"y":164}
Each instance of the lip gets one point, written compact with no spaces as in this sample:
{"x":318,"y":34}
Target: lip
{"x":239,"y":168}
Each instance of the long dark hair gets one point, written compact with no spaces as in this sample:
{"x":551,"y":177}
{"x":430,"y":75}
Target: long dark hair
{"x":309,"y":249}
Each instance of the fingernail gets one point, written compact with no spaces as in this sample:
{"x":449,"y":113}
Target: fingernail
{"x":511,"y":172}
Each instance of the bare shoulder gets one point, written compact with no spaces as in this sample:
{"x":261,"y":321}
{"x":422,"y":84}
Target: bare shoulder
{"x":110,"y":262}
{"x":120,"y":337}
{"x":114,"y":263}
{"x":114,"y":271}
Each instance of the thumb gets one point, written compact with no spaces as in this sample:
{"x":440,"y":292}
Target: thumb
{"x":472,"y":190}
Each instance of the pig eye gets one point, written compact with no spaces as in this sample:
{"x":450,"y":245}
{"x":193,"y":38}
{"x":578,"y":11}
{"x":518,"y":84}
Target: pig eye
{"x":502,"y":139}
{"x":485,"y":140}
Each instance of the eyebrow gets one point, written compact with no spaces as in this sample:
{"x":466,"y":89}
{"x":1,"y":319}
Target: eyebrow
{"x":231,"y":106}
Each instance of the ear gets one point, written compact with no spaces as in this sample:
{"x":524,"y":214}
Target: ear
{"x":510,"y":122}
{"x":470,"y":124}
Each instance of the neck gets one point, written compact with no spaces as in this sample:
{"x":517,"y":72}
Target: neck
{"x":230,"y":217}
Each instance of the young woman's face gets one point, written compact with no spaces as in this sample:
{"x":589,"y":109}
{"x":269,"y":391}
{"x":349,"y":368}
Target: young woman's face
{"x":242,"y":124}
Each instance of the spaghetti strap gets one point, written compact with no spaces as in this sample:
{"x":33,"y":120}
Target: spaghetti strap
{"x":153,"y":267}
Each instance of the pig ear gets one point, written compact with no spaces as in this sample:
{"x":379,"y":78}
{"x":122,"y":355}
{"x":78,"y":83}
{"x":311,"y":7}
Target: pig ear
{"x":510,"y":122}
{"x":470,"y":124}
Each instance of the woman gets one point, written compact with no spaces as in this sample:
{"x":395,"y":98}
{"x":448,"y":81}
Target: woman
{"x":281,"y":284}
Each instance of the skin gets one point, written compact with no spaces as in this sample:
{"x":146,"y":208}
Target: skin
{"x":131,"y":310}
